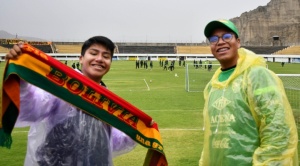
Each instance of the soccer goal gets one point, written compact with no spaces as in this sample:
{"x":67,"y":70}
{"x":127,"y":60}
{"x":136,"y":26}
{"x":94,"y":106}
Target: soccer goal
{"x":292,"y":89}
{"x":198,"y":75}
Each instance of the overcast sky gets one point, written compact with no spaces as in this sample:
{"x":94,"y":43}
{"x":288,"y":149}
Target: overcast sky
{"x":120,"y":20}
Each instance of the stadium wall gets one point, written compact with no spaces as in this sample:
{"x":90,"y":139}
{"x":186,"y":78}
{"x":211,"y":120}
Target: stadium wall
{"x":187,"y":57}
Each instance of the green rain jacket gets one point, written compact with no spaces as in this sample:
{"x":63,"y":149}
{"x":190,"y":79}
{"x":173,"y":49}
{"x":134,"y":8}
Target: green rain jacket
{"x":247,"y":118}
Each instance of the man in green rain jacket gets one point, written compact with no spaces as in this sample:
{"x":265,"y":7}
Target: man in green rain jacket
{"x":247,"y":117}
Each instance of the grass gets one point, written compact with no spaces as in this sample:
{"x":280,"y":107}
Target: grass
{"x":177,"y":112}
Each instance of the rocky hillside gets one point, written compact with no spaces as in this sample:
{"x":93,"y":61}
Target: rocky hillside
{"x":279,"y":18}
{"x":6,"y":35}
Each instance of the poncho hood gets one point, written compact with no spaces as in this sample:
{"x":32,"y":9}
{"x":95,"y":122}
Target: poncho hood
{"x":246,"y":59}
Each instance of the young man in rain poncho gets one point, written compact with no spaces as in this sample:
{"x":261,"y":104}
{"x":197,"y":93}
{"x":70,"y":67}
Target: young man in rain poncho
{"x":60,"y":133}
{"x":247,"y":117}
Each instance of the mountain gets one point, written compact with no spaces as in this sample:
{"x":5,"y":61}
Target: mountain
{"x":277,"y":23}
{"x":6,"y":35}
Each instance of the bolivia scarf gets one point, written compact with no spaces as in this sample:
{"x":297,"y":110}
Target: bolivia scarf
{"x":47,"y":73}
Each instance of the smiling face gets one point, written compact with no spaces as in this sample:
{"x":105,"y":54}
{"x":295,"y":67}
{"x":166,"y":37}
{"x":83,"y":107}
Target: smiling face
{"x":225,"y":52}
{"x":96,"y":62}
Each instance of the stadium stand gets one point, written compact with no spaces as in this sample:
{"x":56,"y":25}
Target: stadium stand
{"x":146,"y":49}
{"x":44,"y":48}
{"x":68,"y":48}
{"x":3,"y":49}
{"x":206,"y":49}
{"x":265,"y":49}
{"x":42,"y":45}
{"x":193,"y":50}
{"x":292,"y":50}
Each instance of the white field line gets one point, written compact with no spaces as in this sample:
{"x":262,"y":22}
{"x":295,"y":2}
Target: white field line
{"x":20,"y":132}
{"x":147,"y":84}
{"x":148,"y":88}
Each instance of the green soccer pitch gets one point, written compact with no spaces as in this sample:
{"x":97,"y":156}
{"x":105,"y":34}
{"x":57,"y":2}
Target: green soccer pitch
{"x":160,"y":94}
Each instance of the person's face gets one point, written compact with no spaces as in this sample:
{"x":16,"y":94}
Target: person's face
{"x":225,"y":52}
{"x":96,"y":62}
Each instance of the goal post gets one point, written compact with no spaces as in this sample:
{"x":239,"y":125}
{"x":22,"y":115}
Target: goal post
{"x":198,"y":75}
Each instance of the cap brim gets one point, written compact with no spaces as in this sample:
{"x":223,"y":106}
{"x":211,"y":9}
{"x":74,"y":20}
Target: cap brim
{"x":210,"y":27}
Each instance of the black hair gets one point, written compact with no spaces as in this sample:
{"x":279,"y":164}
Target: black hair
{"x":106,"y":42}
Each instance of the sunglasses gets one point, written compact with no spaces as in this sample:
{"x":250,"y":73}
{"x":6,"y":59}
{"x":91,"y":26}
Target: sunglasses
{"x":225,"y":37}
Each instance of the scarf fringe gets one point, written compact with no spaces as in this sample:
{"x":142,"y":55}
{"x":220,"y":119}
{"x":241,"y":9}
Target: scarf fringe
{"x":5,"y":139}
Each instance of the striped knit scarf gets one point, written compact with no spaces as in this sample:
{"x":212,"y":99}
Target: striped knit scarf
{"x":45,"y":72}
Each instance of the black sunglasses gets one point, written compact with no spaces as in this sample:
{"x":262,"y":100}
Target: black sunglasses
{"x":225,"y":37}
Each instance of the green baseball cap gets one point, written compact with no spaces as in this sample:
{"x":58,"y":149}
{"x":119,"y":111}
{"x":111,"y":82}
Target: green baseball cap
{"x":211,"y":26}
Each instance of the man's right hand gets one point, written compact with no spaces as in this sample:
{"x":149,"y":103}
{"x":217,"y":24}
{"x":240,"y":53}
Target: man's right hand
{"x":15,"y":51}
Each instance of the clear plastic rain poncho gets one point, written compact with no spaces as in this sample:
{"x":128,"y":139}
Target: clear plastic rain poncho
{"x":247,"y":118}
{"x":61,"y":134}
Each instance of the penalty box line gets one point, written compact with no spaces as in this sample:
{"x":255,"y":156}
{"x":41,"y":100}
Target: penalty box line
{"x":147,"y":85}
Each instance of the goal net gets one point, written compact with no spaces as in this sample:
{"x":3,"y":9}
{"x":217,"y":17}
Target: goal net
{"x":292,"y":89}
{"x":198,"y":75}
